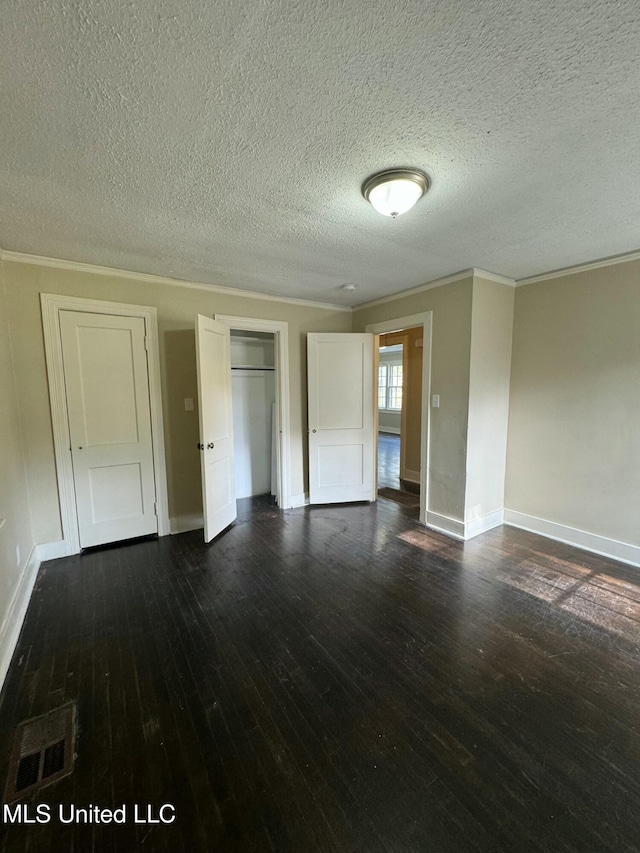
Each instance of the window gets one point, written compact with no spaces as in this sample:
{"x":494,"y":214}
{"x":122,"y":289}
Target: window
{"x":390,"y":386}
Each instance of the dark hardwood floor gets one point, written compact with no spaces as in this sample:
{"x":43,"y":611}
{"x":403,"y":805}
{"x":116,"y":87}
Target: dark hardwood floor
{"x":338,"y":679}
{"x":389,"y":460}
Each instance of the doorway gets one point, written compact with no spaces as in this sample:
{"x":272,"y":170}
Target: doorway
{"x":400,"y":412}
{"x":215,"y":405}
{"x":260,"y":342}
{"x":253,"y":393}
{"x":404,"y":381}
{"x":391,"y":404}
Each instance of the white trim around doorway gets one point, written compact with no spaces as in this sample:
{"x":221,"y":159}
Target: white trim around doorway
{"x":280,"y":331}
{"x":397,"y":325}
{"x":52,"y":304}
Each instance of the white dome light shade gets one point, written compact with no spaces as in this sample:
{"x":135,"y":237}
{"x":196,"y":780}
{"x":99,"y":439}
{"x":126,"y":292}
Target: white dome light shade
{"x":395,"y":197}
{"x":396,"y":191}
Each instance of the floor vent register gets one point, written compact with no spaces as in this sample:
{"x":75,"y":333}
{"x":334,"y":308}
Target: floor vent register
{"x":43,"y":752}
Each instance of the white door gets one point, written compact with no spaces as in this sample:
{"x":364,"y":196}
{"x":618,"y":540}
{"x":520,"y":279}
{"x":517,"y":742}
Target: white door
{"x":216,"y":425}
{"x":341,"y":418}
{"x":107,"y":390}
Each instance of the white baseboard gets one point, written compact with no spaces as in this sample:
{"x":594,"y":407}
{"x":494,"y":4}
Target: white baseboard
{"x":391,"y":430}
{"x":611,"y":548}
{"x":299,"y":500}
{"x":464,"y":530}
{"x":185,"y":523}
{"x":443,"y":524}
{"x":52,"y":550}
{"x":486,"y":522}
{"x":411,"y":476}
{"x":14,"y":617}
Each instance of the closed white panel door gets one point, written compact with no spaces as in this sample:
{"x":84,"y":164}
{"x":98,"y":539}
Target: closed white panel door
{"x":216,"y":426}
{"x":107,"y":389}
{"x":341,"y":418}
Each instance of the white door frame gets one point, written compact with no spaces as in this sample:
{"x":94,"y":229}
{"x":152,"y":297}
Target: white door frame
{"x":52,"y":304}
{"x":281,"y":332}
{"x":397,"y":325}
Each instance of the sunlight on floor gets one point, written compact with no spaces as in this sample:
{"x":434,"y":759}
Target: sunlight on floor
{"x":425,"y":541}
{"x":589,"y":598}
{"x":597,"y":598}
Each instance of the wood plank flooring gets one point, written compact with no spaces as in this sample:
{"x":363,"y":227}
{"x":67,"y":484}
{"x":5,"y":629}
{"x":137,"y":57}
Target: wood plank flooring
{"x":389,"y":460}
{"x":338,"y":679}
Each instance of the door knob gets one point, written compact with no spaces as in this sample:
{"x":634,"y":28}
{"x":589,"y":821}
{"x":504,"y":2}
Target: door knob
{"x":210,"y":445}
{"x":313,"y":430}
{"x":200,"y":446}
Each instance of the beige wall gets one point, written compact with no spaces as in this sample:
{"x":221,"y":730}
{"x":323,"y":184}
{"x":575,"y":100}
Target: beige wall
{"x":177,"y":307}
{"x":389,"y":422}
{"x":450,"y":354}
{"x":14,"y":502}
{"x":573,"y":438}
{"x":574,"y":423}
{"x":490,"y":371}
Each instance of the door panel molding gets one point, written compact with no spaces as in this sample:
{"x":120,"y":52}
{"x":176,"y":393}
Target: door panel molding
{"x":107,"y":387}
{"x":51,"y":305}
{"x":342,"y":417}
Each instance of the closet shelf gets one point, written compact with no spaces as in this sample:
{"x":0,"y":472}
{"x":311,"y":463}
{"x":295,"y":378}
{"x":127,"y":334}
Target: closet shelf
{"x":250,"y":367}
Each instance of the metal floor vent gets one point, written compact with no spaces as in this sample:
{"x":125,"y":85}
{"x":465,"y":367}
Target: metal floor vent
{"x":43,"y":751}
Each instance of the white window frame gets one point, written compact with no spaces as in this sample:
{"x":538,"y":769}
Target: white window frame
{"x":387,"y":365}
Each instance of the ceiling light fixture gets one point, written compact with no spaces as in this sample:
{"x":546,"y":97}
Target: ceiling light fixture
{"x":395,"y":191}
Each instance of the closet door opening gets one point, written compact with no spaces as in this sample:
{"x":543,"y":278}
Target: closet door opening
{"x":253,"y":388}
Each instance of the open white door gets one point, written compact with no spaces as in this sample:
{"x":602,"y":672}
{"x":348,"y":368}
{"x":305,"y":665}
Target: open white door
{"x":342,"y":449}
{"x":216,"y":425}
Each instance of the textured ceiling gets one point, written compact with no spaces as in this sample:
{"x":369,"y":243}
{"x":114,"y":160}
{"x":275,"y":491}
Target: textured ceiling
{"x":226,"y":142}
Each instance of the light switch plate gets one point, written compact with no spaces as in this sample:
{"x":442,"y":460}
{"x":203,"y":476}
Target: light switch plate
{"x":435,"y":401}
{"x":188,"y":404}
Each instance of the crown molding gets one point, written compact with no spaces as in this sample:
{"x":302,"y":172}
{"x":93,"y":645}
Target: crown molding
{"x":438,"y":282}
{"x":494,"y":276}
{"x":592,"y":265}
{"x":78,"y":266}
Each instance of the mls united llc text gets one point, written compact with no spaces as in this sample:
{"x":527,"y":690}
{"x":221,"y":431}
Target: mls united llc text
{"x":44,"y":813}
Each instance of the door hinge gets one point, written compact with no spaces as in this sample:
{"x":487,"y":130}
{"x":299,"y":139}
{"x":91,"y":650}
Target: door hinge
{"x":146,"y":343}
{"x":155,"y":508}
